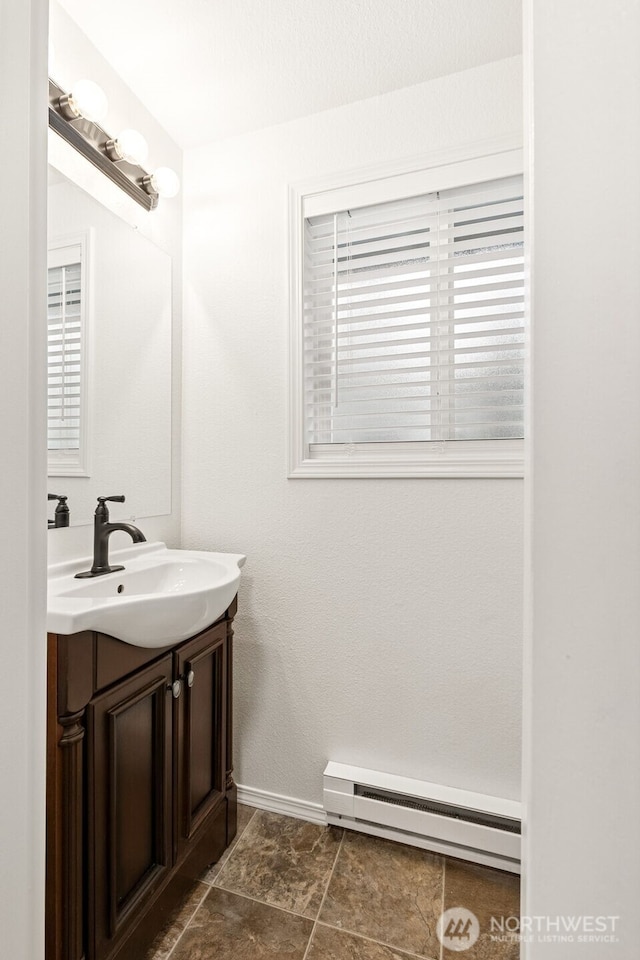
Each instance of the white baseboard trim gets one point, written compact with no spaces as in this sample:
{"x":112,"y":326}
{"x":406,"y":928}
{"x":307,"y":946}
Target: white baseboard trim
{"x":276,"y":803}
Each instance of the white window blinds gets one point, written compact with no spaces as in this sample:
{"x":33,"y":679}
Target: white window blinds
{"x":413,"y":318}
{"x":65,"y":353}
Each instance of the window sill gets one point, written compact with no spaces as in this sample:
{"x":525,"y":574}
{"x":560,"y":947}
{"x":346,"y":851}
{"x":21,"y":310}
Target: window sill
{"x":461,"y":459}
{"x":58,"y":469}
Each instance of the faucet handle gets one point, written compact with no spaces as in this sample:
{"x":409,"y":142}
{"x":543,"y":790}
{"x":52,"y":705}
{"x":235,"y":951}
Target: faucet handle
{"x":102,"y":510}
{"x":56,"y":496}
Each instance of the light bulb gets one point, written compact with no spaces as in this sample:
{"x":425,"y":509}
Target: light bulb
{"x":131,"y":146}
{"x":88,"y":100}
{"x":165,"y":182}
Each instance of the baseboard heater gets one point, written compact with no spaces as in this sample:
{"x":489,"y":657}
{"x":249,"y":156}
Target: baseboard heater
{"x":454,"y":822}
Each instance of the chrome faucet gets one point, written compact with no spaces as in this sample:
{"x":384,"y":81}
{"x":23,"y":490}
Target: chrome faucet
{"x":102,"y":530}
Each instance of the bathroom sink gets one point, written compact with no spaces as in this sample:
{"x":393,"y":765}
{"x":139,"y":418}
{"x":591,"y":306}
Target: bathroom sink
{"x":162,"y":596}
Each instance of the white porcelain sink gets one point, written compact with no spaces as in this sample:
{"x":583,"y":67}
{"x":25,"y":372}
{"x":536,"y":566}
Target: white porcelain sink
{"x":162,"y":596}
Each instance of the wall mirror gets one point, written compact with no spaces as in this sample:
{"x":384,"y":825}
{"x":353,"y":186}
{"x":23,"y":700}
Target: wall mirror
{"x":109,"y":358}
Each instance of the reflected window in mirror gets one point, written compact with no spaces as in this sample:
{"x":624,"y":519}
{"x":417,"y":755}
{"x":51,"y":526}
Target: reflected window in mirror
{"x":67,"y":335}
{"x":126,"y":360}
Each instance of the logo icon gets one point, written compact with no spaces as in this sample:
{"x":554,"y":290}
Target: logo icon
{"x":458,"y":929}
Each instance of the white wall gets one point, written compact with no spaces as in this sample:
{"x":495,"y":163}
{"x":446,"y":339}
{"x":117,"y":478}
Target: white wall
{"x":23,"y":182}
{"x":380,"y":620}
{"x":76,"y":58}
{"x":582,"y":755}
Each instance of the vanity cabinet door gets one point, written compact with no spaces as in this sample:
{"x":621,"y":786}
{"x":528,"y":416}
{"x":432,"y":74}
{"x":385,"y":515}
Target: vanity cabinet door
{"x":202,"y":665}
{"x":129,"y":801}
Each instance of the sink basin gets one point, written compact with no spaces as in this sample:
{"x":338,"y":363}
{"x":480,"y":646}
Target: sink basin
{"x":162,"y":596}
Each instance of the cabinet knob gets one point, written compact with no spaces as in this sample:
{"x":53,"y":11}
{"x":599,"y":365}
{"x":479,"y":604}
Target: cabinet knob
{"x":176,"y":688}
{"x":190,"y":678}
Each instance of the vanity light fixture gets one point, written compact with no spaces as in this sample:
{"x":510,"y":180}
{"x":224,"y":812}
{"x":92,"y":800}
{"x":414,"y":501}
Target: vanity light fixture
{"x":129,"y":145}
{"x":76,"y":117}
{"x":86,"y":100}
{"x":164,"y":182}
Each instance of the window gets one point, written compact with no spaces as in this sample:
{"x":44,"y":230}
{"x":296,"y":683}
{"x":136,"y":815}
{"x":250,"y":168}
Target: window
{"x":67,"y":300}
{"x":408,"y":325}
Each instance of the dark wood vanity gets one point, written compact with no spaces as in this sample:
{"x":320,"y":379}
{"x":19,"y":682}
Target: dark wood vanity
{"x":140,"y":792}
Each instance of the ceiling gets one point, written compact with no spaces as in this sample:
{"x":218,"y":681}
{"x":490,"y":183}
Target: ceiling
{"x":209,"y":69}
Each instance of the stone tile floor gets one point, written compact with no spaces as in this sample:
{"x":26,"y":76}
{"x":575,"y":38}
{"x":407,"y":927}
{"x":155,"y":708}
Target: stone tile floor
{"x":291,"y":890}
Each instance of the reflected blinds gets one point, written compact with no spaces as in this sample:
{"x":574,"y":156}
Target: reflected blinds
{"x":64,"y":325}
{"x":414,"y":318}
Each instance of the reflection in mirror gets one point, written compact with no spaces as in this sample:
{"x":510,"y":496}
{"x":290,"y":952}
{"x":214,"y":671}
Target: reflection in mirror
{"x":109,"y":361}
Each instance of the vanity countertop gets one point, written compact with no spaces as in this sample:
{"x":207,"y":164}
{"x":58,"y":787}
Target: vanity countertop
{"x":161,"y":597}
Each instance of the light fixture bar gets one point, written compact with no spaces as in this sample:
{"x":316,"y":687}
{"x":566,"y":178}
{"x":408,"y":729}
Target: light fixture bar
{"x":90,"y":139}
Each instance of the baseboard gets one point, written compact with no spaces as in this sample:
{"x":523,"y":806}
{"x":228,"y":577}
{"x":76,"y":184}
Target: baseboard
{"x":276,"y":803}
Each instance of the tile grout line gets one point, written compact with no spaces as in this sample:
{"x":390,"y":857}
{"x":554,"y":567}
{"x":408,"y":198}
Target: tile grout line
{"x":444,"y":871}
{"x":187,"y":924}
{"x":263,"y":903}
{"x":246,"y":827}
{"x":235,"y":847}
{"x":380,"y":943}
{"x":266,"y":903}
{"x":324,"y":896}
{"x":356,"y":933}
{"x":333,"y":869}
{"x":207,"y":887}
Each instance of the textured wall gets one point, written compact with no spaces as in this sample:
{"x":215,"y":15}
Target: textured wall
{"x":380,"y":620}
{"x":228,"y":65}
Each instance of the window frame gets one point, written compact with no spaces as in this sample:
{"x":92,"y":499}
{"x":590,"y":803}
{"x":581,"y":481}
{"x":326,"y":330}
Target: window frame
{"x":489,"y":160}
{"x":72,"y":465}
